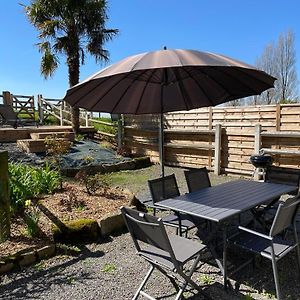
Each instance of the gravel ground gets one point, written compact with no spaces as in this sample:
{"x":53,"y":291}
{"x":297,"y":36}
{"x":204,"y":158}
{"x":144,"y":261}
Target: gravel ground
{"x":82,"y":153}
{"x":112,"y":270}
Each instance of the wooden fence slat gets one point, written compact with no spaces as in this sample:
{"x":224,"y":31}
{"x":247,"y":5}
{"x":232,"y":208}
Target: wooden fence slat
{"x":278,"y":125}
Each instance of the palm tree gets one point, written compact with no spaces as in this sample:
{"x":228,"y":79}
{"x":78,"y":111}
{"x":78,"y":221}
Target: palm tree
{"x":73,"y":28}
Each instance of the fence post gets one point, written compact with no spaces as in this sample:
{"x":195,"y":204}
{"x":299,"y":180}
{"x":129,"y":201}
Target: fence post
{"x":120,"y":132}
{"x":218,"y":135}
{"x":7,"y":98}
{"x":61,"y":116}
{"x":86,"y":118}
{"x":257,"y":146}
{"x":257,"y":138}
{"x":40,"y":109}
{"x":4,"y":198}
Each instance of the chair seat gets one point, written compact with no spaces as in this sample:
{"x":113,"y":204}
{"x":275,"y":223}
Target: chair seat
{"x":173,"y":220}
{"x":183,"y":248}
{"x":262,"y":246}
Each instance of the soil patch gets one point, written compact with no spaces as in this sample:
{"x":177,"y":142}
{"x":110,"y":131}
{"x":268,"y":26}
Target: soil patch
{"x":71,"y":203}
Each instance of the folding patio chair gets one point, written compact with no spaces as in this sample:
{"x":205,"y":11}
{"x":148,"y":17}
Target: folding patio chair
{"x":9,"y":117}
{"x":163,"y":188}
{"x":281,"y":175}
{"x":166,"y":253}
{"x":287,"y":176}
{"x":197,"y":179}
{"x":274,"y":245}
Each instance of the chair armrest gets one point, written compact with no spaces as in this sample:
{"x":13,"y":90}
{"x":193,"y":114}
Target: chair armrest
{"x":256,"y":233}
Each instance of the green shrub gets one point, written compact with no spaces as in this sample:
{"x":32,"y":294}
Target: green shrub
{"x":26,"y":182}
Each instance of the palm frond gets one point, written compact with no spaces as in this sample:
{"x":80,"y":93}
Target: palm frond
{"x":49,"y":63}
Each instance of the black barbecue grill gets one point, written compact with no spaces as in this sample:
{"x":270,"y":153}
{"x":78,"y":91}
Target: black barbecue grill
{"x":261,"y":162}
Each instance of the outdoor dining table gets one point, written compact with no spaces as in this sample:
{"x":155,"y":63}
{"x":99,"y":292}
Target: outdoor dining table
{"x":220,"y":204}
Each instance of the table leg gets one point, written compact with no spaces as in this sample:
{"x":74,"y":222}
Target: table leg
{"x":225,"y":257}
{"x":221,"y":262}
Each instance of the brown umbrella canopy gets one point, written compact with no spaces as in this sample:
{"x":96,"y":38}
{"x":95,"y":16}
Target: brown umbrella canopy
{"x":168,"y":80}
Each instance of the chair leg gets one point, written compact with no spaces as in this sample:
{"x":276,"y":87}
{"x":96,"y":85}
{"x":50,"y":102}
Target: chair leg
{"x":276,"y":278}
{"x":297,"y":247}
{"x":143,"y":283}
{"x":171,"y":278}
{"x":298,"y":258}
{"x":187,"y":279}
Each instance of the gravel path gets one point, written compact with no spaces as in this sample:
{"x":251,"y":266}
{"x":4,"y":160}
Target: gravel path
{"x":112,"y":270}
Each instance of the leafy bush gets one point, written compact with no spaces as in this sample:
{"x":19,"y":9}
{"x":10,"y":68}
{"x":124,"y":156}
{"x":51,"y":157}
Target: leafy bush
{"x":94,"y":183}
{"x":27,"y":182}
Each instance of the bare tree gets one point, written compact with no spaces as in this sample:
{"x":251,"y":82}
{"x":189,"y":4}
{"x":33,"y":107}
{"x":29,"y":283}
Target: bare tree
{"x":286,"y":63}
{"x":266,"y":63}
{"x":279,"y":60}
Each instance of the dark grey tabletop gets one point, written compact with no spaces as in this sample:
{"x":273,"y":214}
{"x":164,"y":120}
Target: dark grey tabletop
{"x":223,"y":201}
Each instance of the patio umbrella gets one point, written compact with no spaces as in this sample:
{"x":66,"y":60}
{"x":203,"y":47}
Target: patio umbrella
{"x":168,"y":80}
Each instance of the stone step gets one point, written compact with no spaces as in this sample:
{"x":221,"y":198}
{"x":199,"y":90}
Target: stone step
{"x":42,"y":135}
{"x":33,"y":146}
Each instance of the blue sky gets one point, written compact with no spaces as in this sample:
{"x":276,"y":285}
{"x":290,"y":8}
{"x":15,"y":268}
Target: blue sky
{"x":237,"y":28}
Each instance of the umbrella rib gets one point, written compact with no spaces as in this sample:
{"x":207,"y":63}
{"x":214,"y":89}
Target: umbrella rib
{"x":86,"y":94}
{"x":197,"y":83}
{"x":112,"y":87}
{"x":144,"y":89}
{"x":128,"y":87}
{"x":241,"y":70}
{"x":216,"y":81}
{"x":182,"y":90}
{"x":237,"y":79}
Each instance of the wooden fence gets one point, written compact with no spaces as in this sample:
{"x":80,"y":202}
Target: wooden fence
{"x":22,"y":104}
{"x":190,"y":136}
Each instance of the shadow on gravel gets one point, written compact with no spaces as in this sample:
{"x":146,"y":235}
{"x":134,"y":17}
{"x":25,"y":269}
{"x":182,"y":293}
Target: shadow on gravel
{"x":40,"y":278}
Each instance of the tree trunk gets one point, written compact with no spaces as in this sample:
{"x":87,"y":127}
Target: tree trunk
{"x":73,"y":68}
{"x":4,"y":198}
{"x":75,"y":119}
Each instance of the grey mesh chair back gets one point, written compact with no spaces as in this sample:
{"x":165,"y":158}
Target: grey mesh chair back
{"x":285,"y":215}
{"x":148,"y":229}
{"x":287,"y":176}
{"x":274,"y":246}
{"x":166,"y":253}
{"x":163,"y":188}
{"x":197,"y":179}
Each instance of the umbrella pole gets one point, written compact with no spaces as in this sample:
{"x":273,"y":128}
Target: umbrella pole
{"x":161,"y":144}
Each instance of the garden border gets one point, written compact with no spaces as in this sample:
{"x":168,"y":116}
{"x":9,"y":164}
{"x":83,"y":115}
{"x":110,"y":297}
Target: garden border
{"x":109,"y":224}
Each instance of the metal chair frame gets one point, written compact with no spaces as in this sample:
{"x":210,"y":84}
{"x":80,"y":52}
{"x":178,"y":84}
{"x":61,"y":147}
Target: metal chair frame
{"x":166,"y":253}
{"x":197,"y":179}
{"x":282,"y":175}
{"x":272,"y":246}
{"x":168,"y":188}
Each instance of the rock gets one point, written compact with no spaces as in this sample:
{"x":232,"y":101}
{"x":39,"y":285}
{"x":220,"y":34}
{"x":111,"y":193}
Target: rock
{"x":78,"y":231}
{"x":5,"y":267}
{"x":46,"y":252}
{"x":111,"y":223}
{"x":142,"y":162}
{"x":26,"y":259}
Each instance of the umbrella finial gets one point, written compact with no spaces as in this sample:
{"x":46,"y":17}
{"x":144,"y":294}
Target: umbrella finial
{"x":165,"y":47}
